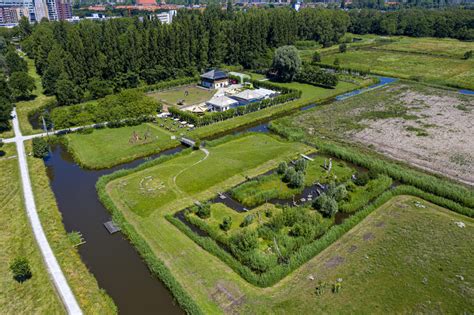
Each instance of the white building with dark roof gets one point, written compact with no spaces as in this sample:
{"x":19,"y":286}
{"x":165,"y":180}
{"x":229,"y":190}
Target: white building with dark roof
{"x":214,"y":79}
{"x":221,"y":103}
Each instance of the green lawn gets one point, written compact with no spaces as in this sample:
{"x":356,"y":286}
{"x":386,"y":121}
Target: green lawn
{"x":432,"y":69}
{"x":155,"y":188}
{"x":196,"y":95}
{"x":110,"y":146}
{"x":36,"y":295}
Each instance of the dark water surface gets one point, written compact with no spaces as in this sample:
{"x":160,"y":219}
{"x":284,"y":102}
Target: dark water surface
{"x":111,"y":258}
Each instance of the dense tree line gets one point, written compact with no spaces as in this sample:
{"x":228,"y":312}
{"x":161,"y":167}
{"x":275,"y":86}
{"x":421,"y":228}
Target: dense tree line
{"x":455,"y":23}
{"x":15,"y":83}
{"x":90,"y":59}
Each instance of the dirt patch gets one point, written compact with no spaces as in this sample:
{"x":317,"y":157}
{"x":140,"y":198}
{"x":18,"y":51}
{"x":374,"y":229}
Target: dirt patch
{"x":368,"y":236}
{"x":380,"y":224}
{"x":228,"y":296}
{"x":440,"y":139}
{"x":334,"y":262}
{"x":352,"y":249}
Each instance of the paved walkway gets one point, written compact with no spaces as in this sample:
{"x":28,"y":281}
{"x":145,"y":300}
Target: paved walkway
{"x":60,"y":282}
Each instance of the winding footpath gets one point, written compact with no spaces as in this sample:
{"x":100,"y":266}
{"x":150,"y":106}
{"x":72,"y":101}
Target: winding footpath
{"x":54,"y":270}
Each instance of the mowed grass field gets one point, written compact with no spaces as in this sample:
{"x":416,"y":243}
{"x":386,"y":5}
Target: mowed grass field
{"x":437,"y":46}
{"x":110,"y":146}
{"x":432,"y":69}
{"x":195,"y":95}
{"x":400,"y":259}
{"x":183,"y":178}
{"x":36,"y":295}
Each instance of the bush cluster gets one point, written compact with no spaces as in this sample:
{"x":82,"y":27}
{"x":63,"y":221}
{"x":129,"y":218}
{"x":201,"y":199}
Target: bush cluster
{"x":316,"y":76}
{"x":129,"y":104}
{"x":40,"y":148}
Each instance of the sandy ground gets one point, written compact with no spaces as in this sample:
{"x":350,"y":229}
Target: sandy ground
{"x":447,"y":122}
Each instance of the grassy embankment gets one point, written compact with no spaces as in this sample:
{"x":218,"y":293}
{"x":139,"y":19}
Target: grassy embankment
{"x":91,"y":298}
{"x":293,"y":293}
{"x":36,"y":295}
{"x":435,"y":61}
{"x":110,"y":146}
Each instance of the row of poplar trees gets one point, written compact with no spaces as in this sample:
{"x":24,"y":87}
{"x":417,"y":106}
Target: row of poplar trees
{"x":91,"y":59}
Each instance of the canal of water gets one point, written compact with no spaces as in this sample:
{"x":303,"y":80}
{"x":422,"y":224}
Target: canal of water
{"x":114,"y":262}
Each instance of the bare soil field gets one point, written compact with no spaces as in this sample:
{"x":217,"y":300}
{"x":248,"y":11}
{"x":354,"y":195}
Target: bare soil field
{"x":430,"y":128}
{"x":439,"y":139}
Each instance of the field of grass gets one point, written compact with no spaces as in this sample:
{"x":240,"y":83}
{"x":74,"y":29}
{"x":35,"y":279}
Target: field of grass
{"x":426,"y":45}
{"x":92,"y":299}
{"x":183,"y":178}
{"x":36,"y":295}
{"x":378,"y":257}
{"x":110,"y":146}
{"x":431,"y":69}
{"x":196,"y":95}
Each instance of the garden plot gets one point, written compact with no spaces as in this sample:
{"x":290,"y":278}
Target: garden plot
{"x":437,"y":137}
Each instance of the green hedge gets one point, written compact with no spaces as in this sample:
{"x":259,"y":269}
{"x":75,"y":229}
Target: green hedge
{"x":309,"y":251}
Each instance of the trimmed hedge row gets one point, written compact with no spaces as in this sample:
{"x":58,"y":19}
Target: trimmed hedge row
{"x":156,"y":266}
{"x":286,"y":95}
{"x":309,"y":251}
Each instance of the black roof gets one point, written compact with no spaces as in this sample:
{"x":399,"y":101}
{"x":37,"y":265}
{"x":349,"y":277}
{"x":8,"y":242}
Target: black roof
{"x":214,"y":75}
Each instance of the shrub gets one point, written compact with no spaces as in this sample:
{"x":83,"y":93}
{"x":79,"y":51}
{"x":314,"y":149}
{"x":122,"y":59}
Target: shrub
{"x":40,"y":148}
{"x":337,"y":62}
{"x":316,"y":57}
{"x":282,"y":168}
{"x":342,"y":48}
{"x":247,"y":220}
{"x":21,"y":269}
{"x":468,"y":54}
{"x":361,"y":179}
{"x":326,"y":205}
{"x":226,"y":224}
{"x":245,"y":241}
{"x":301,"y":164}
{"x":297,"y":180}
{"x":203,"y":210}
{"x":289,"y":175}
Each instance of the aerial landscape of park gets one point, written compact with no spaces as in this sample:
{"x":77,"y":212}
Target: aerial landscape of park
{"x":241,"y":158}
